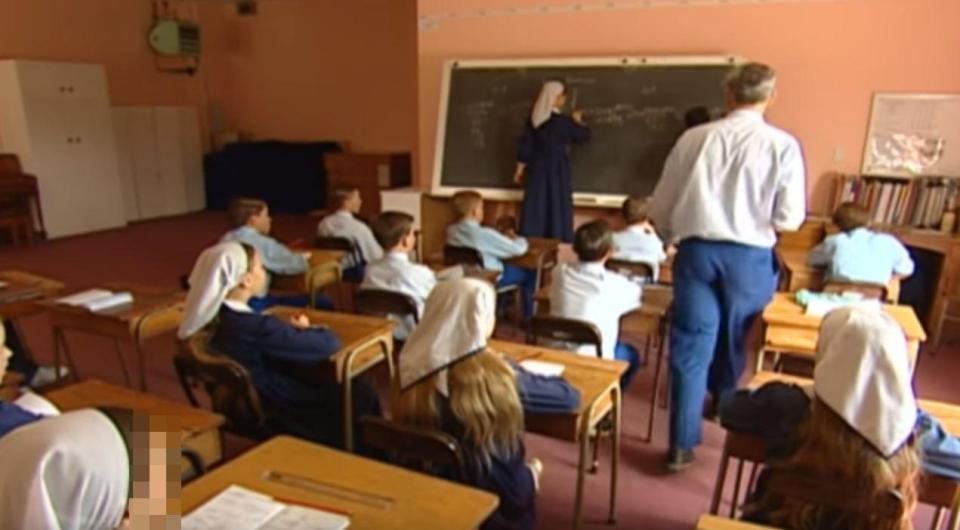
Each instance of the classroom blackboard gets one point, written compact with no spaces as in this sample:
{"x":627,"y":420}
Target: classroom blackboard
{"x":634,"y":107}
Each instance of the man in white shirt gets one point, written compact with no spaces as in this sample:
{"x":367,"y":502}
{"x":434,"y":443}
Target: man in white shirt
{"x":587,"y":291}
{"x":343,"y":223}
{"x":395,"y":272}
{"x":727,"y":187}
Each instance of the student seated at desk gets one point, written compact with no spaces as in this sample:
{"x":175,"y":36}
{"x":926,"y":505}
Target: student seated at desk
{"x":858,"y":254}
{"x":451,"y":380}
{"x":395,"y":272}
{"x":223,"y":280}
{"x":252,"y":223}
{"x":344,"y":223}
{"x":12,"y":416}
{"x":858,"y":425}
{"x":73,"y":471}
{"x":587,"y":291}
{"x":639,"y":242}
{"x":492,"y":246}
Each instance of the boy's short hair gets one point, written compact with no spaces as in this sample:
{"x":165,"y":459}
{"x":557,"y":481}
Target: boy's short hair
{"x":242,"y":209}
{"x":634,"y":210}
{"x":850,"y":216}
{"x":342,"y":195}
{"x":391,"y":227}
{"x":593,"y":241}
{"x":465,"y":201}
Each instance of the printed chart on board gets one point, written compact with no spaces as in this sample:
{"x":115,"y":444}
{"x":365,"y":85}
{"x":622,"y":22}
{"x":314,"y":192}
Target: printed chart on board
{"x":913,"y":135}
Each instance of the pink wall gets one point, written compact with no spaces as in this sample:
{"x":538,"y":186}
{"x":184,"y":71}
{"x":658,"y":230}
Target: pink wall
{"x":108,"y":32}
{"x":831,"y":55}
{"x":331,"y":69}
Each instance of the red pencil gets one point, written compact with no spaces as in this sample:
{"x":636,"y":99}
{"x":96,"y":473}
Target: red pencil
{"x":315,"y":506}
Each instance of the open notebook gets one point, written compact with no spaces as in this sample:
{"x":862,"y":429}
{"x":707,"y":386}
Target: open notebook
{"x":238,"y":508}
{"x":97,"y":299}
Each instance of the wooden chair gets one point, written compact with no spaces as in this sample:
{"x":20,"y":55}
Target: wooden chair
{"x":226,"y":382}
{"x":16,"y":218}
{"x":471,"y":257}
{"x":941,"y":493}
{"x":833,"y":495}
{"x":631,"y":268}
{"x":569,"y":330}
{"x":385,"y":304}
{"x":343,"y":244}
{"x":868,"y":290}
{"x":573,"y":331}
{"x":415,"y":448}
{"x":195,"y":467}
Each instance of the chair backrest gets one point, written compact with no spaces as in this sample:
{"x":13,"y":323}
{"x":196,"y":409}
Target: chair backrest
{"x":335,"y":243}
{"x":381,"y":303}
{"x":225,"y":381}
{"x":413,"y":447}
{"x":454,"y":255}
{"x":10,"y":163}
{"x":561,"y":329}
{"x":631,"y":268}
{"x":833,"y":495}
{"x":868,"y":290}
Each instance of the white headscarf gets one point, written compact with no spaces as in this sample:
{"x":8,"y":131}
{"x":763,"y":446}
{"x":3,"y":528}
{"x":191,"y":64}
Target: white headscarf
{"x":458,"y":318}
{"x":68,"y":472}
{"x":863,"y":374}
{"x":546,"y":103}
{"x":218,"y":270}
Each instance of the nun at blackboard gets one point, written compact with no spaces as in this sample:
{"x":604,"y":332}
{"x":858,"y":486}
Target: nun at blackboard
{"x":544,"y":157}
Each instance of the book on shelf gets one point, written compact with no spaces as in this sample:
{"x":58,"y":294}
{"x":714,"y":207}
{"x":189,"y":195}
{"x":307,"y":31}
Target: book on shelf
{"x":917,"y":202}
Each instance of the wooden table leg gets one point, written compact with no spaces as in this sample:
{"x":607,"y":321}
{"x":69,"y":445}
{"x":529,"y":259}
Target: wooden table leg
{"x":123,"y":363}
{"x":617,"y":398}
{"x":581,"y":469}
{"x":656,"y":387}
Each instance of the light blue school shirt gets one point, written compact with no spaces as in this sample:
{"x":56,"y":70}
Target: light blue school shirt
{"x":639,"y":244}
{"x":862,"y":255}
{"x":276,"y":257}
{"x":492,"y":245}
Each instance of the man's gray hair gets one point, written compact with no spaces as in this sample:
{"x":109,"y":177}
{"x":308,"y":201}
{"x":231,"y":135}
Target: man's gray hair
{"x":751,"y":83}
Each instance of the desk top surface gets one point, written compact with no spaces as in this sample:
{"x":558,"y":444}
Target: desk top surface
{"x":24,"y":282}
{"x":591,"y":376}
{"x":784,"y":310}
{"x":146,"y":299}
{"x":96,"y":393}
{"x":407,"y":499}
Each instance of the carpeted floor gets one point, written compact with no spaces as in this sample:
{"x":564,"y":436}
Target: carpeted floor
{"x":159,"y":252}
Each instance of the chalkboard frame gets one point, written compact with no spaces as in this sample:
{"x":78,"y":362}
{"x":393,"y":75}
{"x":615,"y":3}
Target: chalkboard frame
{"x":599,"y":200}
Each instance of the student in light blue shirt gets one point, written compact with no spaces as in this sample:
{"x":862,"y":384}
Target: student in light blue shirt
{"x":252,"y":223}
{"x":492,"y":245}
{"x":344,"y":223}
{"x":639,"y":242}
{"x":395,"y":272}
{"x":859,"y":254}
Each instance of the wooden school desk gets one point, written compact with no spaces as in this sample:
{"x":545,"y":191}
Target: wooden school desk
{"x":365,"y":342}
{"x":154,"y":311}
{"x":796,"y":274}
{"x":598,"y":381}
{"x":324,"y":270}
{"x":200,"y":428}
{"x":712,"y":522}
{"x":24,"y":307}
{"x":789,"y":329}
{"x":375,"y":495}
{"x":651,"y":320}
{"x":30,"y":289}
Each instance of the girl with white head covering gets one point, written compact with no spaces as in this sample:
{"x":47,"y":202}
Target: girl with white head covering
{"x":451,"y":380}
{"x":543,"y":165}
{"x":224,"y":279}
{"x":857,"y":427}
{"x":71,"y":472}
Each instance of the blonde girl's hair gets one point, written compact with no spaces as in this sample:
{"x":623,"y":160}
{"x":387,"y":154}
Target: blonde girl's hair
{"x":832,"y":451}
{"x":483,"y":398}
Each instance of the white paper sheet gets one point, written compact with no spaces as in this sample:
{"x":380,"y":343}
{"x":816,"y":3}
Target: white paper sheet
{"x":542,"y":368}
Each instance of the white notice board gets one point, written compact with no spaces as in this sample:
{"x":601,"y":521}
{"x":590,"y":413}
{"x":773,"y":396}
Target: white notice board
{"x":913,"y":135}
